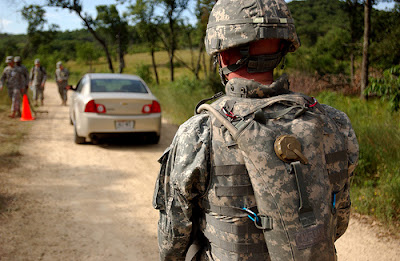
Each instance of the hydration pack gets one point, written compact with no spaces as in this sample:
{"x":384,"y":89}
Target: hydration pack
{"x":296,"y":158}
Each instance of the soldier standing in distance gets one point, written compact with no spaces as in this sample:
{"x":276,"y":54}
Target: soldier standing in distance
{"x":24,"y":70}
{"x":13,"y":77}
{"x":37,"y":79}
{"x":210,"y":196}
{"x":62,"y":76}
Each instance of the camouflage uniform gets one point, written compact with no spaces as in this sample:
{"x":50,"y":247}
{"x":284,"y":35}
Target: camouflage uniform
{"x":61,"y":77}
{"x":24,"y":71}
{"x":198,"y":172}
{"x":13,"y":77}
{"x":38,"y":78}
{"x":207,"y":190}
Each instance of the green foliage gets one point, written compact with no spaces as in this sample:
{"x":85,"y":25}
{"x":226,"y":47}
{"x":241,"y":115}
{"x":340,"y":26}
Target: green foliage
{"x":88,"y":53}
{"x":387,"y":87}
{"x":376,"y":184}
{"x":179,"y":98}
{"x":143,"y":71}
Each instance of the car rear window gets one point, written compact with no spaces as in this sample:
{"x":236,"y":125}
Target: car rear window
{"x":117,"y":85}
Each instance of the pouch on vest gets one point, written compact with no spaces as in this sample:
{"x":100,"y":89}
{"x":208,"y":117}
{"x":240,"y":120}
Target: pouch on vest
{"x":294,"y":194}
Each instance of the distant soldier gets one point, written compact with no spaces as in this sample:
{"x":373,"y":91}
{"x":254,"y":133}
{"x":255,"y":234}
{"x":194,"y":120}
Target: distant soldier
{"x":18,"y":63}
{"x":14,"y":79}
{"x":62,"y":76}
{"x":37,"y":79}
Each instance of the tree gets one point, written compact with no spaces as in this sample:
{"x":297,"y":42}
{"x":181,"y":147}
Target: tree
{"x":116,"y":27}
{"x":352,"y":8}
{"x":87,"y":53}
{"x":143,"y":14}
{"x":89,"y":23}
{"x":172,"y":12}
{"x":367,"y":28}
{"x":365,"y":60}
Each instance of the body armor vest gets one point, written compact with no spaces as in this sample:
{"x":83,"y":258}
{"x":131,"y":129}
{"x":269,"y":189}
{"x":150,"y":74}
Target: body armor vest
{"x":295,"y":201}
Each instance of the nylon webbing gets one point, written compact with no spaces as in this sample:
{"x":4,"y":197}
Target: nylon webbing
{"x":253,"y":247}
{"x":222,"y":255}
{"x":336,"y":177}
{"x":231,"y":191}
{"x":240,"y":230}
{"x":230,"y":170}
{"x":306,"y":214}
{"x":225,"y":211}
{"x":336,"y":156}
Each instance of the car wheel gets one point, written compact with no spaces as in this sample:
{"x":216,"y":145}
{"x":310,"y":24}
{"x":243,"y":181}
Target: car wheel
{"x":78,"y":139}
{"x":154,"y":138}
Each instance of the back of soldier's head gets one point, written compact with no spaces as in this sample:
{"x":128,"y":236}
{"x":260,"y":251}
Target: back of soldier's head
{"x":241,"y":25}
{"x":17,"y":60}
{"x":9,"y":59}
{"x":37,"y":62}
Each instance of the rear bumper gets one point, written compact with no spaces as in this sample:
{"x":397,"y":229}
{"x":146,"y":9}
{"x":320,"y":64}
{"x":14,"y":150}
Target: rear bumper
{"x":90,"y":123}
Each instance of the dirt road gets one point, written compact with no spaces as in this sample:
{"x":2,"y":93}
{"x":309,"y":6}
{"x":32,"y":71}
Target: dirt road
{"x":93,"y":202}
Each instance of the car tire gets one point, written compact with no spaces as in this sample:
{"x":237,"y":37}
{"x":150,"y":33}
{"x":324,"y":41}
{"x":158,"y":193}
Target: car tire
{"x":154,"y":138}
{"x":78,"y":139}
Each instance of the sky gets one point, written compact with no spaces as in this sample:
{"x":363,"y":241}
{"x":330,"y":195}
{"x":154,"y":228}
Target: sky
{"x":11,"y":21}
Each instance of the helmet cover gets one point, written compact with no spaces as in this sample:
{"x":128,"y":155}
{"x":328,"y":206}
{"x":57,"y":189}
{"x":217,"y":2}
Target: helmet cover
{"x":238,"y":22}
{"x":9,"y":59}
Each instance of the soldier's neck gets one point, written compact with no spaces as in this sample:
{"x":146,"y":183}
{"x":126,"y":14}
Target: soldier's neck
{"x":264,"y":78}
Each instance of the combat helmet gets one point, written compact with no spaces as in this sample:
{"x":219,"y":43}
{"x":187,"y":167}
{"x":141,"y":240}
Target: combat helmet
{"x":235,"y":23}
{"x":9,"y":59}
{"x":58,"y":64}
{"x":17,"y":59}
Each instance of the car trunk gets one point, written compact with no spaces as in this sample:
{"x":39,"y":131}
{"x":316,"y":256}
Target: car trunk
{"x":123,"y":103}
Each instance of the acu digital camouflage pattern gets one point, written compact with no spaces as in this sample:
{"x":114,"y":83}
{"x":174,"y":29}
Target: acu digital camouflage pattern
{"x":38,"y":78}
{"x":238,"y":22}
{"x":196,"y":191}
{"x":62,"y":76}
{"x":14,"y":78}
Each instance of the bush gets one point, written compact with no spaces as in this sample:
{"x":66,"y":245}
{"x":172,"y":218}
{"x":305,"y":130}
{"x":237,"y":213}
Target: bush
{"x":143,"y":71}
{"x":179,"y":98}
{"x":387,"y":87}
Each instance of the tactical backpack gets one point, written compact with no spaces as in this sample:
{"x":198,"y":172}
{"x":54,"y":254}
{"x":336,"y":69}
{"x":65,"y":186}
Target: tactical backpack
{"x":296,"y":158}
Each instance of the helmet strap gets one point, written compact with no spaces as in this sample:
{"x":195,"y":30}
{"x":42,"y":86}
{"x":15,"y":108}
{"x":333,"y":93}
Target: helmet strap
{"x":254,"y":63}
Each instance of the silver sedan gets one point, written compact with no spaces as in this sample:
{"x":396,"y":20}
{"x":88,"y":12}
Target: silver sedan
{"x":105,"y":104}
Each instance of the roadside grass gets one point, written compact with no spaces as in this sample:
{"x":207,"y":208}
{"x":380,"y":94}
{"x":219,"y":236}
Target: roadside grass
{"x":376,"y":184}
{"x":12,"y":132}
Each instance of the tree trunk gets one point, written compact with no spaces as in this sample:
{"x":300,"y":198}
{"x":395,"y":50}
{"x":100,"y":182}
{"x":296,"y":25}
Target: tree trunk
{"x":365,"y":61}
{"x":352,"y":68}
{"x":172,"y":48}
{"x":101,"y":41}
{"x":121,"y":54}
{"x":153,"y":60}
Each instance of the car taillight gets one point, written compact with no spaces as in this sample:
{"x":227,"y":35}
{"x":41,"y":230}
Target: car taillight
{"x":154,"y":107}
{"x":91,"y":106}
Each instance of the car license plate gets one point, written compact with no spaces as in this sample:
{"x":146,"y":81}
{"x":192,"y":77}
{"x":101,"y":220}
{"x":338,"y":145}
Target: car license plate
{"x":124,"y":125}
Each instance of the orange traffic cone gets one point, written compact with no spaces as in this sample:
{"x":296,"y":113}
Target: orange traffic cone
{"x":26,"y":110}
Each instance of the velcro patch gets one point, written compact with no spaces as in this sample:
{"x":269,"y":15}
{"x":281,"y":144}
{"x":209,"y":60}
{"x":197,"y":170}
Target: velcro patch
{"x":309,"y":237}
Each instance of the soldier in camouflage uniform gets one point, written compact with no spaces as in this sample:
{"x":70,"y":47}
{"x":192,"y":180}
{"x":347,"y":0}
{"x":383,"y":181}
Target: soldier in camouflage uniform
{"x":234,"y":184}
{"x":37,"y":79}
{"x":24,"y":70}
{"x":62,"y":76}
{"x":13,"y":77}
